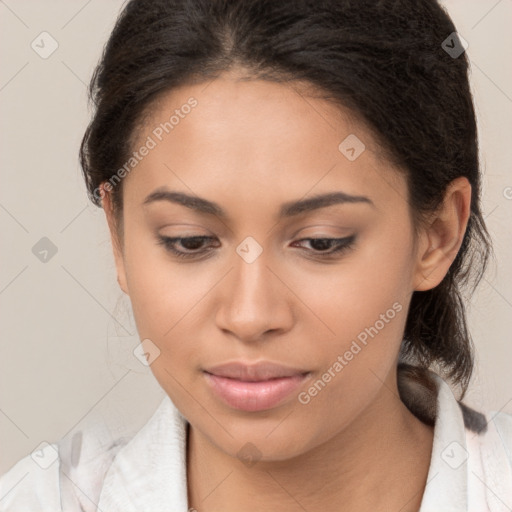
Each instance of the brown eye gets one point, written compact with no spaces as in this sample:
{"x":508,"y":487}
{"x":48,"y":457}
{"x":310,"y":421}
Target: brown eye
{"x":191,"y":243}
{"x":321,"y":246}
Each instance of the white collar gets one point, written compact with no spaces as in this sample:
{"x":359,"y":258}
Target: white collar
{"x":149,"y":472}
{"x":447,"y":480}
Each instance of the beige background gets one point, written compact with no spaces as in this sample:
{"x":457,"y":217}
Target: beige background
{"x":67,"y":335}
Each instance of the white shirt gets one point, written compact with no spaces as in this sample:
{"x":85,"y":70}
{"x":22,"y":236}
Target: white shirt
{"x":147,"y":472}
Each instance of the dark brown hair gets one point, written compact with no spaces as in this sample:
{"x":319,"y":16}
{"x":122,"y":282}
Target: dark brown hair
{"x":387,"y":62}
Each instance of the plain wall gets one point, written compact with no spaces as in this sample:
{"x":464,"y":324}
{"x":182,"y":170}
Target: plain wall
{"x":67,"y":333}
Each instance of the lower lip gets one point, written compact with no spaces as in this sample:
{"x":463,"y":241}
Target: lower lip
{"x":254,"y":396}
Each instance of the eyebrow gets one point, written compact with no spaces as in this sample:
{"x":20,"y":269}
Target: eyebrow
{"x":289,"y":209}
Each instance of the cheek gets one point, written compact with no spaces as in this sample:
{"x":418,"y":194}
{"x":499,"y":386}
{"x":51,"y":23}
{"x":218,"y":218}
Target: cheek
{"x":161,"y":291}
{"x":367,"y":313}
{"x":166,"y":306}
{"x":356,"y":298}
{"x":336,"y":301}
{"x":172,"y":306}
{"x":365,"y":289}
{"x":348,"y":320}
{"x":364,"y":302}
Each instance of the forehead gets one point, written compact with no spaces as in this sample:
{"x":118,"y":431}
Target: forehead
{"x":244,"y":139}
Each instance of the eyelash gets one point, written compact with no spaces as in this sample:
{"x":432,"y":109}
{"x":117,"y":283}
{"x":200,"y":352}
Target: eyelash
{"x":343,"y":245}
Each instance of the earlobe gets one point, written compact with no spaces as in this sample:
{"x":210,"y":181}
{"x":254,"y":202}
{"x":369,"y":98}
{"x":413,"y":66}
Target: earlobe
{"x":442,"y":237}
{"x":114,"y":237}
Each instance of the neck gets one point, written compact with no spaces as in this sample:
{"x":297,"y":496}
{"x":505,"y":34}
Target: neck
{"x":378,"y":462}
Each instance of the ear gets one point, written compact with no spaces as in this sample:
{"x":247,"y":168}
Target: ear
{"x":107,"y":204}
{"x":441,"y":238}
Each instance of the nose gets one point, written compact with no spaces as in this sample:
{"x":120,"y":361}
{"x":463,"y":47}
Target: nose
{"x":254,"y":301}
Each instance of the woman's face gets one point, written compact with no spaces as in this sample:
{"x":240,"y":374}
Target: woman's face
{"x":257,"y":289}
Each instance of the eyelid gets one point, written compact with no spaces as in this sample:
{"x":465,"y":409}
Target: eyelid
{"x":168,"y":242}
{"x":319,"y":231}
{"x":340,"y":244}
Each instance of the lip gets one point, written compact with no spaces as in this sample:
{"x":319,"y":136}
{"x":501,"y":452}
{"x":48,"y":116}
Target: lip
{"x":254,"y":387}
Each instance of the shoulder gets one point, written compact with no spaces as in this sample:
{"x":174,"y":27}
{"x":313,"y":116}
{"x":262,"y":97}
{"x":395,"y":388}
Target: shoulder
{"x":32,"y":483}
{"x":500,"y":434}
{"x":63,"y":476}
{"x":503,"y":422}
{"x":70,"y":474}
{"x":490,"y":459}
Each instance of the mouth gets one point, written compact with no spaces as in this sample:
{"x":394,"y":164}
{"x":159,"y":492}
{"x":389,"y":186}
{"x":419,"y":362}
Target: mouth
{"x":254,"y":387}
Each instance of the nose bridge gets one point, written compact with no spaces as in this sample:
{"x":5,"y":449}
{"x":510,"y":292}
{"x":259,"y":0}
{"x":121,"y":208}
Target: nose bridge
{"x":249,"y":304}
{"x":250,"y":279}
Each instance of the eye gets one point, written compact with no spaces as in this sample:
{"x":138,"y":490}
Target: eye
{"x":190,"y":243}
{"x":194,"y":245}
{"x":321,"y":246}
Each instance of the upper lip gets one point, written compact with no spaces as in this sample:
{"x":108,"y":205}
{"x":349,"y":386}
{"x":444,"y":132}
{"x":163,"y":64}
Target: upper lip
{"x":262,"y":370}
